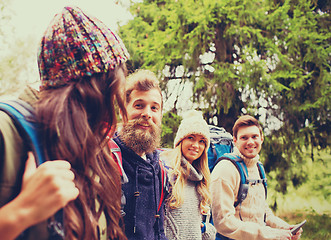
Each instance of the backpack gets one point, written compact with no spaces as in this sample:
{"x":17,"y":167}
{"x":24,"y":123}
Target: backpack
{"x":221,"y":142}
{"x":24,"y":119}
{"x":117,"y":156}
{"x":221,"y":147}
{"x":244,"y":180}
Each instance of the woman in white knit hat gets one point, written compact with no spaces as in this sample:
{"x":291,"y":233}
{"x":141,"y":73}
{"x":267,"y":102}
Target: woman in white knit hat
{"x":189,"y":176}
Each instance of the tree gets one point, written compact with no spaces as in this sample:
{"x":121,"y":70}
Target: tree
{"x":170,"y":124}
{"x":268,"y":58}
{"x":17,"y":57}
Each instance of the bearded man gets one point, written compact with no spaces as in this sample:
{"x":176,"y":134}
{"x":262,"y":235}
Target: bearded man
{"x":138,"y":140}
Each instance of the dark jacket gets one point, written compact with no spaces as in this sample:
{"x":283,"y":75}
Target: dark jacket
{"x":142,"y":194}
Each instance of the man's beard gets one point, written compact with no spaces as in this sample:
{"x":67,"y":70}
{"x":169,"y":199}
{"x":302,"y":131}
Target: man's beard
{"x":140,"y":140}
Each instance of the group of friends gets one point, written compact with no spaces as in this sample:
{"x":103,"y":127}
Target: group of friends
{"x":147,"y":193}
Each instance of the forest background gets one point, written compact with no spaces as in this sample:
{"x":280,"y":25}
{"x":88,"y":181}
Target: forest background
{"x":267,"y":58}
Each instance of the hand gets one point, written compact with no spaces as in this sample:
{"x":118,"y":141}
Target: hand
{"x":45,"y":190}
{"x":297,"y":235}
{"x":284,"y":234}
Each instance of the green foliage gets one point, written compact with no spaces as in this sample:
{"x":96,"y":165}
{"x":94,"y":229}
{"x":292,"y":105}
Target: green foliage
{"x":319,"y":171}
{"x":317,"y":226}
{"x":17,"y":55}
{"x":270,"y":59}
{"x":170,"y":124}
{"x":4,"y":18}
{"x":310,"y":188}
{"x":16,"y":65}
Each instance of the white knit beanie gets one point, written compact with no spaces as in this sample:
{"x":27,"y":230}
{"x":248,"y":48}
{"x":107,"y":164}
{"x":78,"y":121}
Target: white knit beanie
{"x":192,"y":123}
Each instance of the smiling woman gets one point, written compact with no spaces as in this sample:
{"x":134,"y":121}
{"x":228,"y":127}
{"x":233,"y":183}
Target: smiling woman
{"x":189,"y":176}
{"x":193,"y":147}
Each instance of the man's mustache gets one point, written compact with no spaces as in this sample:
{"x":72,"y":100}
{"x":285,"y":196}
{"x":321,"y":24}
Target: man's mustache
{"x":142,"y":122}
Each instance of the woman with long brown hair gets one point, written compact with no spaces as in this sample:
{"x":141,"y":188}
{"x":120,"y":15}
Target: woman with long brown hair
{"x":82,"y":69}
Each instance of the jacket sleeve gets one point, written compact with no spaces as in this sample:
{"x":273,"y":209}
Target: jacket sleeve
{"x":12,"y":158}
{"x":274,"y":221}
{"x":225,"y":182}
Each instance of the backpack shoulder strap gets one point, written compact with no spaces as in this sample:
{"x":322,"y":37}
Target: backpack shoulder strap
{"x":243,"y":172}
{"x":263,"y":177}
{"x":164,"y":178}
{"x":116,"y":152}
{"x":117,"y":156}
{"x":238,"y":162}
{"x":23,"y":117}
{"x":164,"y":183}
{"x":212,"y":146}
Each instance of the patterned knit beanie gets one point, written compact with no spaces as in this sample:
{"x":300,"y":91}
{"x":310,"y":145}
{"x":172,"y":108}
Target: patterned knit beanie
{"x":75,"y":46}
{"x":192,"y":123}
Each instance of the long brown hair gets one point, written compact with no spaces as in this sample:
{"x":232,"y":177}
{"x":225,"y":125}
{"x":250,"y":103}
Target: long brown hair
{"x":180,"y":174}
{"x":76,"y":119}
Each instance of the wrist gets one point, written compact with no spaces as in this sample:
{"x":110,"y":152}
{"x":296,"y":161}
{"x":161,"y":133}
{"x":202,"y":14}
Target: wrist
{"x":13,"y":220}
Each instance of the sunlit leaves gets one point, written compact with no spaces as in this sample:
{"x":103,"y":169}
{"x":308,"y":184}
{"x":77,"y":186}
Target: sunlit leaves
{"x":270,"y":59}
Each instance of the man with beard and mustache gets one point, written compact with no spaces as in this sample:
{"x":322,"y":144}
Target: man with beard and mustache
{"x":138,"y":141}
